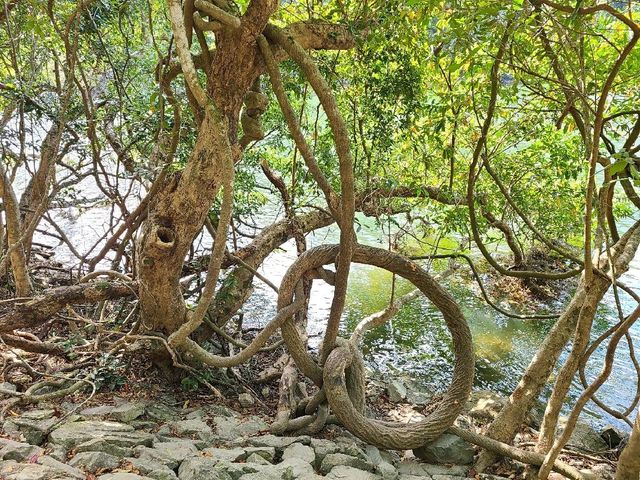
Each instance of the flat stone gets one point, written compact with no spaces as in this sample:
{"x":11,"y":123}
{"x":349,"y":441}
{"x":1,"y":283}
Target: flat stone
{"x":99,"y":411}
{"x":412,"y":467}
{"x":74,"y":433}
{"x":225,"y":454}
{"x":297,"y":450}
{"x":94,"y":461}
{"x":202,"y":468}
{"x":257,"y":459}
{"x":195,"y":427}
{"x":170,"y":454}
{"x":12,"y":470}
{"x":350,"y":473}
{"x":42,"y":414}
{"x":246,"y":400}
{"x":484,"y":405}
{"x":161,"y":412}
{"x":34,"y":431}
{"x":54,"y":464}
{"x":447,"y":449}
{"x":123,"y":476}
{"x":230,"y":428}
{"x":322,"y":448}
{"x":18,"y":451}
{"x":279,"y":443}
{"x":332,"y":460}
{"x":384,"y":468}
{"x":110,"y":444}
{"x":151,"y":468}
{"x":10,"y":387}
{"x":127,"y":411}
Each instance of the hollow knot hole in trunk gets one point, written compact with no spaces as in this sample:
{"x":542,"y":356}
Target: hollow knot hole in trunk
{"x":165,"y":238}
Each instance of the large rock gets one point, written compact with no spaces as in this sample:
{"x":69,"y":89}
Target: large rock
{"x":396,"y":390}
{"x":34,"y":430}
{"x":332,"y":460}
{"x":484,"y":405}
{"x":584,"y":437}
{"x":350,"y":473}
{"x":170,"y":454}
{"x":72,"y":434}
{"x":20,"y":452}
{"x":123,"y":476}
{"x":279,"y":443}
{"x":448,"y":449}
{"x":94,"y":461}
{"x":151,"y":468}
{"x":12,"y":470}
{"x":123,"y":411}
{"x":297,"y":450}
{"x":205,"y":468}
{"x":418,"y":469}
{"x":232,"y":428}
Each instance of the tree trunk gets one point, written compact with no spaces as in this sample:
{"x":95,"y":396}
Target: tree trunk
{"x":629,"y":461}
{"x":173,"y":222}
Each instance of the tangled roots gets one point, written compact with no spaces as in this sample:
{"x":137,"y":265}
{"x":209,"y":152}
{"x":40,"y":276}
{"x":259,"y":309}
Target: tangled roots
{"x":342,"y":377}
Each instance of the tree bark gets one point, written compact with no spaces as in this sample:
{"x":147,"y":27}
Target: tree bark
{"x":629,"y":461}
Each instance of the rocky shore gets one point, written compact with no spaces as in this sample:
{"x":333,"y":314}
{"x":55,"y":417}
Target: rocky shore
{"x":142,"y":439}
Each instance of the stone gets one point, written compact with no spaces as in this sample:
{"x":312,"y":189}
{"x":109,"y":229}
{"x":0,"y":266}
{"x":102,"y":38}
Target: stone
{"x":34,"y":431}
{"x":151,"y":468}
{"x":160,"y":412}
{"x":487,"y":476}
{"x":43,"y":414}
{"x":128,"y":411}
{"x":195,"y":427}
{"x":9,"y":387}
{"x":257,"y":459}
{"x":202,"y":468}
{"x":397,"y":391}
{"x":246,"y":400}
{"x":584,"y":437}
{"x":21,"y":452}
{"x":612,"y":436}
{"x":384,"y":468}
{"x":225,"y":454}
{"x":448,"y":449}
{"x":297,"y":450}
{"x":412,"y":467}
{"x":484,"y":405}
{"x":265,"y":391}
{"x":12,"y":470}
{"x":350,"y":473}
{"x":279,"y":443}
{"x":106,"y":445}
{"x":94,"y":461}
{"x":74,"y":433}
{"x":68,"y":470}
{"x":170,"y":454}
{"x":122,"y":476}
{"x":322,"y":448}
{"x":268,"y":453}
{"x":418,"y":398}
{"x":231,"y":428}
{"x":332,"y":460}
{"x":99,"y":411}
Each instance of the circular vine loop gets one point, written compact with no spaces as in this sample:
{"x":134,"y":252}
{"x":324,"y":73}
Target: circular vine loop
{"x":342,"y":377}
